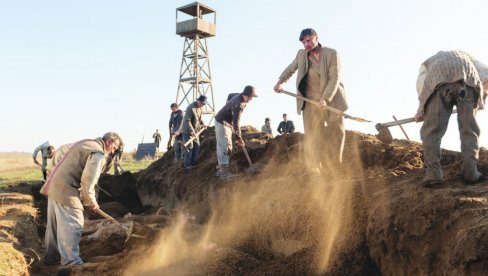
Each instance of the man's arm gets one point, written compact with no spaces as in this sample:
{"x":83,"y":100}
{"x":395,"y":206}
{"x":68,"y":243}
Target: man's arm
{"x":292,"y":127}
{"x":287,"y":73}
{"x":34,"y":154}
{"x":333,"y":73}
{"x":280,"y":128}
{"x":236,"y":117}
{"x":89,"y":178}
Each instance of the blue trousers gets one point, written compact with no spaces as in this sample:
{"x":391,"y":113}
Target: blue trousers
{"x":191,"y":156}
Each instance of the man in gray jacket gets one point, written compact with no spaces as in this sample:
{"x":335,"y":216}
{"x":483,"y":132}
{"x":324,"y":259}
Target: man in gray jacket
{"x":318,"y":78}
{"x":448,"y":79}
{"x":70,"y":187}
{"x":192,"y":123}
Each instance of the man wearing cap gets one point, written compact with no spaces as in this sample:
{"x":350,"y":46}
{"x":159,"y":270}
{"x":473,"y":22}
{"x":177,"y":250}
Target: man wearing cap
{"x":226,"y":125}
{"x":192,"y":123}
{"x":47,"y":151}
{"x":286,"y":126}
{"x":446,"y":79}
{"x":318,"y":78}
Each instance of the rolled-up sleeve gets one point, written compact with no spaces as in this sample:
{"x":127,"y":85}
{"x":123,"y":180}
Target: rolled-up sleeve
{"x":89,"y":177}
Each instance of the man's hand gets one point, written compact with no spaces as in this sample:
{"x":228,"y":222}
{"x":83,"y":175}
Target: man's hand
{"x":94,"y":207}
{"x":36,"y":162}
{"x":240,"y":143}
{"x":278,"y":87}
{"x":323,"y":103}
{"x":419,"y":117}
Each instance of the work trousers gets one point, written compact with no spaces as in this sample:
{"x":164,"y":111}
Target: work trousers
{"x":438,"y":110}
{"x":316,"y":137}
{"x":63,"y":233}
{"x":191,"y":156}
{"x":223,"y":136}
{"x":178,"y":148}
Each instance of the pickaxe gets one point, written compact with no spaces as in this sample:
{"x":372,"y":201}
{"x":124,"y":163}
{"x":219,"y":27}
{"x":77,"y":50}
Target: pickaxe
{"x":336,"y":111}
{"x":384,"y":134}
{"x":185,"y":145}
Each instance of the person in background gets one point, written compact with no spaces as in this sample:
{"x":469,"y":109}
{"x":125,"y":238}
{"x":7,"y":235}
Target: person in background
{"x":286,"y":126}
{"x":266,"y":128}
{"x":192,"y":123}
{"x":175,"y":123}
{"x":47,"y":151}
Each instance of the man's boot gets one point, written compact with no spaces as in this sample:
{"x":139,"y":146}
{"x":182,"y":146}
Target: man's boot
{"x":224,"y":172}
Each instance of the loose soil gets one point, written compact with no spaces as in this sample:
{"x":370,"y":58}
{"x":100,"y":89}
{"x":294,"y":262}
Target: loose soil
{"x":369,"y":216}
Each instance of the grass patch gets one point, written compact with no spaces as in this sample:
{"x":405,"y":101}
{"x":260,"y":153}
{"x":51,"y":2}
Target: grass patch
{"x":18,"y":167}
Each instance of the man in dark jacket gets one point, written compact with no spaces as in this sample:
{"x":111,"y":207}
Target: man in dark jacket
{"x":286,"y":126}
{"x":175,"y":136}
{"x":227,"y":124}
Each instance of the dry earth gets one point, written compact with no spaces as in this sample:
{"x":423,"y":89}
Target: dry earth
{"x":367,"y":217}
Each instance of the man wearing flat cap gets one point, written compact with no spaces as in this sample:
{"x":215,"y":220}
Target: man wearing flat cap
{"x":318,"y":78}
{"x":227,"y":125}
{"x":192,"y":124}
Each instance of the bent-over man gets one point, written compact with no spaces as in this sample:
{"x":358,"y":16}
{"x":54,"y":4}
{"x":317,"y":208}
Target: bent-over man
{"x":47,"y":151}
{"x":448,"y":79}
{"x":226,"y":125}
{"x":69,"y":188}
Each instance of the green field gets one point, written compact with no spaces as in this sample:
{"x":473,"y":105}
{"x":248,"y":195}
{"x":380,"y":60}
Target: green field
{"x":19,"y":167}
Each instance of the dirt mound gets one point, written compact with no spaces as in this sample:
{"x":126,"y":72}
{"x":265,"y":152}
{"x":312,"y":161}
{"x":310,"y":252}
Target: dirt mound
{"x":369,"y":216}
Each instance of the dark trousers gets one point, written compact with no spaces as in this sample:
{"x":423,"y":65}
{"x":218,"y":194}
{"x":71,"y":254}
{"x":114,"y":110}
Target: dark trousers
{"x":191,"y":155}
{"x":438,"y":110}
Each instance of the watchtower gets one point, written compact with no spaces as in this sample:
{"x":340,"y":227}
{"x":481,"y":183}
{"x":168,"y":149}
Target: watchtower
{"x":195,"y":78}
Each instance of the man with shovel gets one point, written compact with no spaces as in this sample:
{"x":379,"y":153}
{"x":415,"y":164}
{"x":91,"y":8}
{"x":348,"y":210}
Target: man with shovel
{"x":47,"y":151}
{"x":69,"y":188}
{"x":446,"y":79}
{"x":318,"y":79}
{"x":192,"y":123}
{"x":227,"y":125}
{"x":175,"y":136}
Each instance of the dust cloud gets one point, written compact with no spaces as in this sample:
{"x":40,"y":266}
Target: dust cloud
{"x":279,"y":212}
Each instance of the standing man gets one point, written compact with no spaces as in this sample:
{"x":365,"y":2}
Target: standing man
{"x":226,"y":124}
{"x":175,"y":123}
{"x":318,"y":79}
{"x":47,"y":151}
{"x":70,"y":187}
{"x":266,"y":128}
{"x":446,"y":79}
{"x":157,"y":138}
{"x":286,"y":126}
{"x":192,"y":123}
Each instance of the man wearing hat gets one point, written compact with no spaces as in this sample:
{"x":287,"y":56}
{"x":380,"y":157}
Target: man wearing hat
{"x":192,"y":123}
{"x":318,"y":78}
{"x":227,"y":124}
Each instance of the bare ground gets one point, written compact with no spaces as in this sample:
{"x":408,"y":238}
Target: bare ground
{"x":367,"y":217}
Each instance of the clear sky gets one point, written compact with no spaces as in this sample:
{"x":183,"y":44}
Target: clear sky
{"x":71,"y":70}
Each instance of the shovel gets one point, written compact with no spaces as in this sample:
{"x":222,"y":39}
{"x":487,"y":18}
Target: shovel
{"x":384,"y":134}
{"x":185,"y":145}
{"x":251,"y":166}
{"x":128,"y":228}
{"x":336,"y":111}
